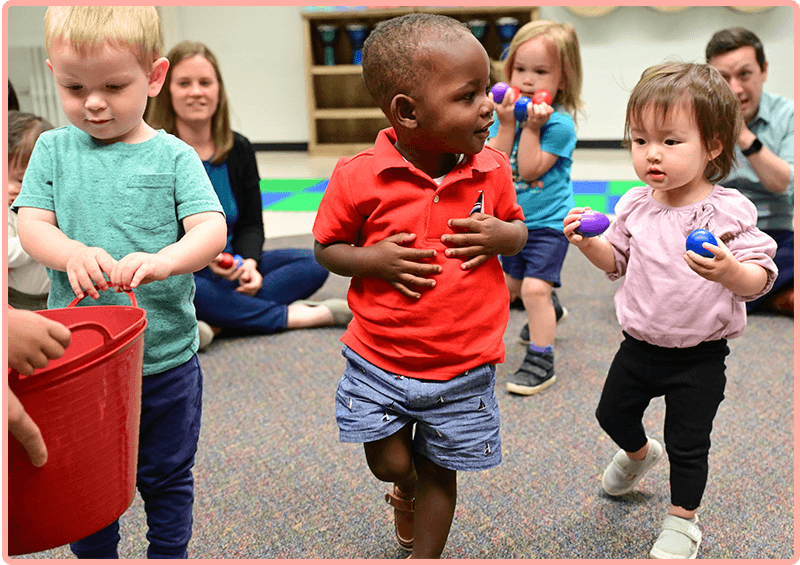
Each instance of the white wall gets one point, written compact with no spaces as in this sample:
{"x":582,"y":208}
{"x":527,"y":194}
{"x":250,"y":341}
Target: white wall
{"x":261,"y":54}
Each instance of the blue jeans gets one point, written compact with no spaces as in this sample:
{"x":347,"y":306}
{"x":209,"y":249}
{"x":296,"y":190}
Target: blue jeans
{"x":168,"y":434}
{"x":784,"y":260}
{"x":289,"y":275}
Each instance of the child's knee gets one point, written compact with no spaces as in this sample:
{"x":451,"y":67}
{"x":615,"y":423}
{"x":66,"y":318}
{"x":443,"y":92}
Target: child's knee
{"x":536,"y":289}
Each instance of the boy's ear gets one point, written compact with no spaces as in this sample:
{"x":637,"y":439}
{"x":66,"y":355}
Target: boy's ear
{"x":402,"y":111}
{"x":49,"y":66}
{"x":157,"y":76}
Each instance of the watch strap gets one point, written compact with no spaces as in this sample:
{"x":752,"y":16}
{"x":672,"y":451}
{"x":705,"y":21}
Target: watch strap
{"x":755,"y":147}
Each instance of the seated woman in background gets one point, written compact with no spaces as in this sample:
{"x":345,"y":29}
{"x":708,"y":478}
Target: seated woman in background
{"x":28,"y":283}
{"x":265,"y":294}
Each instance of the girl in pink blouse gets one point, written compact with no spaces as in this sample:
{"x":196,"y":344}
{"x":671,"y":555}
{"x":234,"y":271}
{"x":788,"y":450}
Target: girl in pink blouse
{"x":677,"y":309}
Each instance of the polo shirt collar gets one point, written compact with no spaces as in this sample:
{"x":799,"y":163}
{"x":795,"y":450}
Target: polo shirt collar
{"x":388,"y":157}
{"x":761,"y":114}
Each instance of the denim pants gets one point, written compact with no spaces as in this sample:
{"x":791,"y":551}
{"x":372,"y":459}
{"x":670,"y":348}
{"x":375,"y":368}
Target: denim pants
{"x":784,"y":260}
{"x":692,"y":382}
{"x":289,"y":275}
{"x":168,"y":434}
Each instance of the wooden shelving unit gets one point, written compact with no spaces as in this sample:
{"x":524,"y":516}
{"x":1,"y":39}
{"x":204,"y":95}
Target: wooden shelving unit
{"x":343,"y":119}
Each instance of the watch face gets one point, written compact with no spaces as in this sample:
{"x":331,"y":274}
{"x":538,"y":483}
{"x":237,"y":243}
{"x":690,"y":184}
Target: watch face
{"x":754,"y":148}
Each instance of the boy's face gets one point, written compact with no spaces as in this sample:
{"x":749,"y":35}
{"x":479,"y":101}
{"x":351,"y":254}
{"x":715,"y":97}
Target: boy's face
{"x":742,"y":71}
{"x":104,"y":93}
{"x":669,"y":154}
{"x":453,"y":109}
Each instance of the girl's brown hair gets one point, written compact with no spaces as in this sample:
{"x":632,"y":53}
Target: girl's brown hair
{"x":160,"y":113}
{"x":23,"y":131}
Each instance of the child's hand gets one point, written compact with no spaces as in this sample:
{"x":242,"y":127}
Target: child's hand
{"x":571,"y":223}
{"x":34,"y":340}
{"x":140,"y":268}
{"x":723,"y":268}
{"x":250,"y":280}
{"x":505,"y":109}
{"x":487,"y":237}
{"x":86,"y":269}
{"x":231,"y":273}
{"x":538,"y":114}
{"x":402,"y":266}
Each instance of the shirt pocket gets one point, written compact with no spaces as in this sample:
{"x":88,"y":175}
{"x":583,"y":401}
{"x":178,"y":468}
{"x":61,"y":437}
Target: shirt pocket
{"x":150,"y":201}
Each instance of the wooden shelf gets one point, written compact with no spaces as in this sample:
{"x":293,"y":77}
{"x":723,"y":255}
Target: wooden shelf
{"x":343,"y":119}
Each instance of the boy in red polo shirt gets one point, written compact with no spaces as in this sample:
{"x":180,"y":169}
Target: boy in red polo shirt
{"x":418,"y":221}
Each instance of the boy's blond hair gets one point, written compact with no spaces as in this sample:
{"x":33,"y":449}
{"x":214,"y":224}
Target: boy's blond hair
{"x":565,"y":41}
{"x":713,"y":106}
{"x":87,"y":28}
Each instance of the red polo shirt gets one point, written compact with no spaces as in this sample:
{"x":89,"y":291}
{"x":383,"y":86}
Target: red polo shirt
{"x":458,"y":324}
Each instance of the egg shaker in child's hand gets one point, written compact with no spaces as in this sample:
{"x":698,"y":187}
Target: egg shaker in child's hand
{"x":696,"y":240}
{"x":226,"y":260}
{"x":542,"y":96}
{"x":592,"y":224}
{"x":521,"y":109}
{"x":499,"y":92}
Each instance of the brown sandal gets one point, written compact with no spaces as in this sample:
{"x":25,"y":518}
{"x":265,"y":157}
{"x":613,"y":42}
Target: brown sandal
{"x":403,"y":518}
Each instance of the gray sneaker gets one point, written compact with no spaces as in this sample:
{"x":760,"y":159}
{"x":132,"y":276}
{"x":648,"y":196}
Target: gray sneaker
{"x":679,"y":539}
{"x":535,"y":374}
{"x":623,"y":473}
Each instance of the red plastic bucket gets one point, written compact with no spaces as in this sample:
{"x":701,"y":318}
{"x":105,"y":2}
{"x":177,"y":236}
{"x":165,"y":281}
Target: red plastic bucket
{"x":87,"y":405}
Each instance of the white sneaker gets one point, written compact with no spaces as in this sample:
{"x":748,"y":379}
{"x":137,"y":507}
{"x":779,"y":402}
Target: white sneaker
{"x":623,"y":473}
{"x":206,"y":335}
{"x":679,"y":539}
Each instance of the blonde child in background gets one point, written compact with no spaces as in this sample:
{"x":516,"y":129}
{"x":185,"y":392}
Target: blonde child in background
{"x":28,"y":283}
{"x":542,"y":56}
{"x":677,"y":309}
{"x":417,"y":222}
{"x":110,"y":197}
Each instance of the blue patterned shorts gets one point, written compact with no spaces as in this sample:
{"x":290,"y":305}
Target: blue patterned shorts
{"x":457,"y":421}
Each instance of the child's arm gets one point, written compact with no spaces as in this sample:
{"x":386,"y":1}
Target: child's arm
{"x":34,"y":341}
{"x":507,"y":126}
{"x":389,"y":260}
{"x":44,"y":241}
{"x":205,"y":238}
{"x":532,"y":162}
{"x":597,"y":249}
{"x":741,"y":278}
{"x":488,"y":237}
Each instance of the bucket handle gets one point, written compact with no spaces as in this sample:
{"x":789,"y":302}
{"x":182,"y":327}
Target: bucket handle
{"x":13,"y":374}
{"x":79,"y":298}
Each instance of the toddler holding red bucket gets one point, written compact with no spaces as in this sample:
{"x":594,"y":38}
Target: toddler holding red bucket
{"x":109,"y":201}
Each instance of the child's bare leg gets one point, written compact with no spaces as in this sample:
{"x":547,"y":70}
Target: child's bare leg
{"x":392,"y":460}
{"x":681,"y":512}
{"x":513,"y":285}
{"x":434,"y":508}
{"x":536,"y":296}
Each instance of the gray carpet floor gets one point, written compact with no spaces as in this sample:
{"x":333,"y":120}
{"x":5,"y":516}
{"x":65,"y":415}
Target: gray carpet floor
{"x":273,"y":481}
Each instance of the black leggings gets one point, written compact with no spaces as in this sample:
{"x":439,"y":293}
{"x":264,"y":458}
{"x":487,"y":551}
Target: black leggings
{"x":692,"y":381}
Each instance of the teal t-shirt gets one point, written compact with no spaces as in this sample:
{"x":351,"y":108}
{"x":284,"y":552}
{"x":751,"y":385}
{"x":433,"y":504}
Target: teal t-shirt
{"x":125,"y":198}
{"x":548,"y":206}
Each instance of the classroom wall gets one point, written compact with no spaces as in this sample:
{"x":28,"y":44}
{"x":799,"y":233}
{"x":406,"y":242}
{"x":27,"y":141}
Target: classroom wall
{"x":260,"y":52}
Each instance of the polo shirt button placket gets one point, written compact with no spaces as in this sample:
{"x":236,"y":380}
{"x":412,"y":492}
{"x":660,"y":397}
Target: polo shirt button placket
{"x":436,"y":199}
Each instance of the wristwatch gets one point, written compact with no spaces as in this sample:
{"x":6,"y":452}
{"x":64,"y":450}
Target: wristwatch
{"x":755,"y":147}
